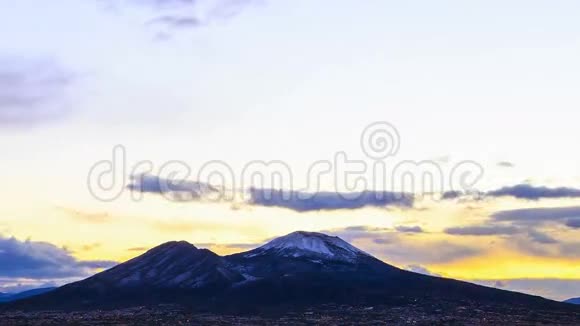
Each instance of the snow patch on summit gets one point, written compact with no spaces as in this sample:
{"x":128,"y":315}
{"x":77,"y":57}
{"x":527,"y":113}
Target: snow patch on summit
{"x":313,"y":242}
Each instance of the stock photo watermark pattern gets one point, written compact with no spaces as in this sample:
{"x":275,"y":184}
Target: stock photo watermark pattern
{"x":376,"y":177}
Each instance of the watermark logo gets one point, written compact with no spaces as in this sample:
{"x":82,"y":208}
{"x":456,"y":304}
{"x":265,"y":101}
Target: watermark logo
{"x":378,"y":174}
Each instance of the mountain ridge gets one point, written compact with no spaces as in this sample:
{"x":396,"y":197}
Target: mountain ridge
{"x":573,"y":301}
{"x":301,"y":268}
{"x":8,"y":297}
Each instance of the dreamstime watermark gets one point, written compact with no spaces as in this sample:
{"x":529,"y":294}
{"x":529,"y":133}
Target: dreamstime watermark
{"x":351,"y":179}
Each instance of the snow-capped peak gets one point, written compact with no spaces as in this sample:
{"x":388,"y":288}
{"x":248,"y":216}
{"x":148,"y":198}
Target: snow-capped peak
{"x":300,"y":243}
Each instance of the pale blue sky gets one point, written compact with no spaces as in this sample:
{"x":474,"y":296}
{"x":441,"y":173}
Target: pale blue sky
{"x":480,"y":77}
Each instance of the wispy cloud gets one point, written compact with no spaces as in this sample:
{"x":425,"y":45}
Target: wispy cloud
{"x":538,"y":215}
{"x":520,"y":191}
{"x":541,"y":237}
{"x":526,"y":191}
{"x":482,"y":230}
{"x":409,"y":229}
{"x":402,"y":248}
{"x":96,"y":218}
{"x":32,"y":90}
{"x":138,"y":249}
{"x":505,"y":164}
{"x":171,"y":15}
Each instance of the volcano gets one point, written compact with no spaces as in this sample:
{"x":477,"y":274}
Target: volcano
{"x":298,"y":269}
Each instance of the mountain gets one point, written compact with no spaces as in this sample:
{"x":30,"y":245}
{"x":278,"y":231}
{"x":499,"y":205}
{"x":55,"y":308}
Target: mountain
{"x":170,"y":265}
{"x":304,"y":252}
{"x":573,"y":301}
{"x":7,"y":297}
{"x":299,"y":269}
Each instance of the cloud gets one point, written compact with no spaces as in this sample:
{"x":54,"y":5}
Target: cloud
{"x":10,"y":285}
{"x":430,"y":252}
{"x":530,"y":234}
{"x":241,"y":246}
{"x":95,"y":218}
{"x":573,"y":223}
{"x":409,"y":229}
{"x":32,"y":91}
{"x":364,"y":228}
{"x":170,"y":15}
{"x":91,"y":246}
{"x":401,"y":248}
{"x":173,"y":189}
{"x":555,"y":289}
{"x":569,"y":249}
{"x":185,"y":190}
{"x":540,"y":237}
{"x":525,"y":191}
{"x":505,"y":164}
{"x":138,"y":249}
{"x":451,"y":194}
{"x":538,"y":215}
{"x":304,"y":202}
{"x":177,"y":22}
{"x":482,"y":230}
{"x":42,"y":260}
{"x":421,"y":270}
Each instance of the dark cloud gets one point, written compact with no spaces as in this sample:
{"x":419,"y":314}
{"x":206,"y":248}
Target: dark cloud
{"x":573,"y":223}
{"x":520,"y":191}
{"x":538,"y":215}
{"x":42,"y":260}
{"x":179,"y":190}
{"x":409,"y":229}
{"x":304,"y":202}
{"x":185,"y":190}
{"x":32,"y":91}
{"x":482,"y":230}
{"x":451,"y":194}
{"x":463,"y":196}
{"x":526,"y":191}
{"x":96,"y":264}
{"x":385,"y":240}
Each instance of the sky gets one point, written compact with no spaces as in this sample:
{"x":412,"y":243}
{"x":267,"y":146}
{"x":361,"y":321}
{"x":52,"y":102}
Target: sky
{"x":482,"y":94}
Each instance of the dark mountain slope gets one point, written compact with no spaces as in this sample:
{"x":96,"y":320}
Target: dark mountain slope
{"x":299,"y":269}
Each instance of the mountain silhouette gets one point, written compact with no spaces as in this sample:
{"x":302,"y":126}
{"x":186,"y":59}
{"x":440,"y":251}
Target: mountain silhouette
{"x":299,"y":269}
